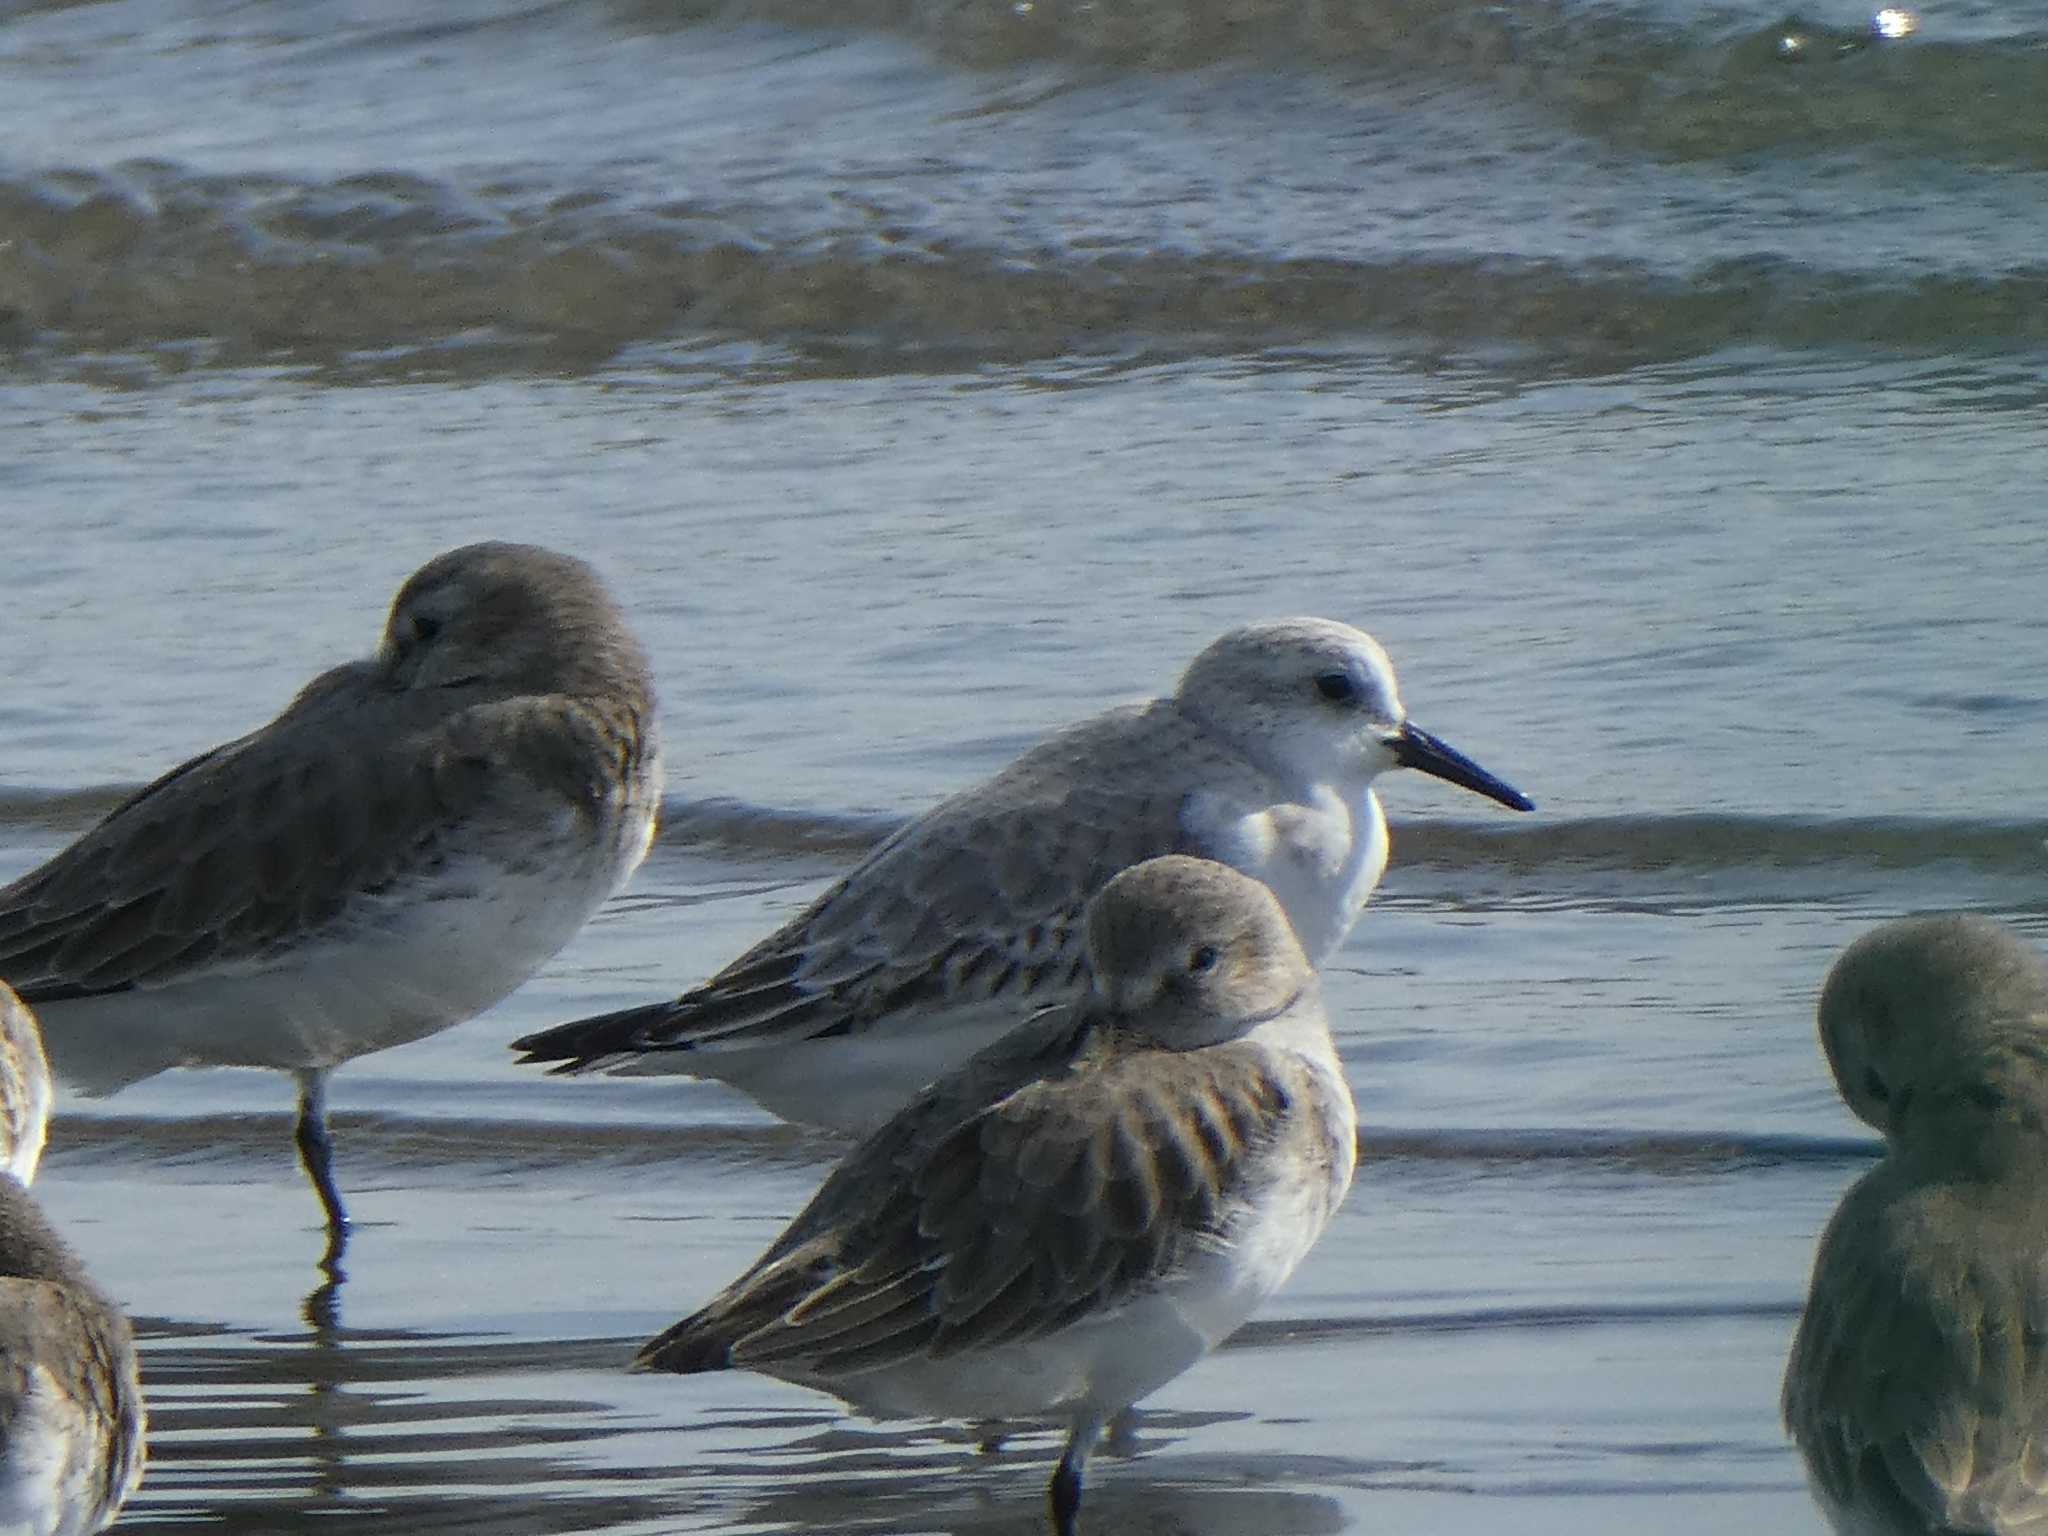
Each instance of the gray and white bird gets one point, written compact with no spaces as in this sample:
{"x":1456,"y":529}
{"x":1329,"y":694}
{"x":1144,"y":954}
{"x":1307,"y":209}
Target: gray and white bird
{"x":968,"y":920}
{"x":71,"y":1413}
{"x":1084,"y":1209}
{"x":1917,"y":1389}
{"x":410,"y":840}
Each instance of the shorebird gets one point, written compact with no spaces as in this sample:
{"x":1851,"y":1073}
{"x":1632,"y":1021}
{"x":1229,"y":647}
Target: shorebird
{"x":1917,"y":1388}
{"x":71,"y":1416}
{"x":411,"y":839}
{"x":968,"y":920}
{"x":1084,"y":1209}
{"x":24,"y":1089}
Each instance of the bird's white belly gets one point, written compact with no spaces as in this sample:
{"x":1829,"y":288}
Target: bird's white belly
{"x":1322,"y":858}
{"x":848,"y":1083}
{"x":396,"y":967}
{"x":47,"y":1486}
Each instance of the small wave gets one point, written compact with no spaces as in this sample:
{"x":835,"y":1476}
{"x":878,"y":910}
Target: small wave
{"x":32,"y":809}
{"x":1556,"y":856}
{"x":1709,"y":84}
{"x":1280,"y":1332}
{"x":760,"y":831}
{"x":383,"y":273}
{"x":1665,"y":1152}
{"x":423,"y":1143}
{"x":1873,"y":865}
{"x":1724,"y":842}
{"x":1609,"y":862}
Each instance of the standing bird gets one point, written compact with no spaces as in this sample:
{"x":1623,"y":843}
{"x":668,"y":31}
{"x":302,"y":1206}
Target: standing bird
{"x":411,"y":839}
{"x":71,"y":1415}
{"x":1084,"y":1209}
{"x":968,"y":920}
{"x":1917,"y":1389}
{"x":24,"y":1089}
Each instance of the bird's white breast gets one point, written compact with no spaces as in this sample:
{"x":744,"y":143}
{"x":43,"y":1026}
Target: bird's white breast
{"x":400,"y":964}
{"x":1321,"y":855}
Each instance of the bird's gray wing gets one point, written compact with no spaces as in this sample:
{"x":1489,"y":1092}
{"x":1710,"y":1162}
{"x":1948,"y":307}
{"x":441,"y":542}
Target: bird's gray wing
{"x":977,"y":902}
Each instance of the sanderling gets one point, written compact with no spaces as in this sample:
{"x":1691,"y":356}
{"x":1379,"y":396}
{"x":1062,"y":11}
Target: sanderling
{"x":1917,"y":1388}
{"x":409,"y":841}
{"x":24,"y":1089}
{"x":71,"y":1415}
{"x":968,"y":920}
{"x":1084,"y":1209}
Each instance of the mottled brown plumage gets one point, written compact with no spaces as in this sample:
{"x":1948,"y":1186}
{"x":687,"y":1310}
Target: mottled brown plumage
{"x":71,"y":1414}
{"x":1083,"y":1209}
{"x":1054,"y":1182}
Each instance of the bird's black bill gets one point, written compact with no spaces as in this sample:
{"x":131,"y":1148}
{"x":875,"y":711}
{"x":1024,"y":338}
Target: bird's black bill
{"x":1416,"y":748}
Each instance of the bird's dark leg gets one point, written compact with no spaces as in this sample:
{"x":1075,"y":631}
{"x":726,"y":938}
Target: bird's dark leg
{"x":316,"y":1154}
{"x":1065,"y":1492}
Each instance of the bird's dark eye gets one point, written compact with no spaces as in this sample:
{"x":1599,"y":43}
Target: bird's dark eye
{"x":1337,"y":687}
{"x":1203,"y":957}
{"x":1874,"y":1085}
{"x":424,"y":628}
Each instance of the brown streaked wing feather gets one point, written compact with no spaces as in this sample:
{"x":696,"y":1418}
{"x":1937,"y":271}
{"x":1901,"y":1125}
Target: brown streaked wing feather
{"x":250,"y":845}
{"x":810,"y":1253}
{"x":957,"y":1228}
{"x":114,"y":1392}
{"x":128,"y":1450}
{"x":72,"y":1332}
{"x":973,"y":902}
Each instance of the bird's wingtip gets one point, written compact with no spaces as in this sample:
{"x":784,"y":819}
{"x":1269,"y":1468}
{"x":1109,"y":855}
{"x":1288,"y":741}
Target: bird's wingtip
{"x":684,"y":1350}
{"x":583,"y":1045}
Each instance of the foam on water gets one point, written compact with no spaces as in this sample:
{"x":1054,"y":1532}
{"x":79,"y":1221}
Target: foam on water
{"x":499,"y":193}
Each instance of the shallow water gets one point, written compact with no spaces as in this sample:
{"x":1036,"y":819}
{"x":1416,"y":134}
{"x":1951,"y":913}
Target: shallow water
{"x":924,"y":375}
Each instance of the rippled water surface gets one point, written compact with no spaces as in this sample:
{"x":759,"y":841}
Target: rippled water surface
{"x":1662,"y":383}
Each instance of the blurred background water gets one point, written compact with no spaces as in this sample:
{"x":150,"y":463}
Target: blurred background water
{"x":1662,"y":383}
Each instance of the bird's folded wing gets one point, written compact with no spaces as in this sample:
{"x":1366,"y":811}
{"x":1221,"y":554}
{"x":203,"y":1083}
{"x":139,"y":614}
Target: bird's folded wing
{"x":979,"y":902}
{"x":1062,"y":1199}
{"x":268,"y":840}
{"x":1918,"y":1382}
